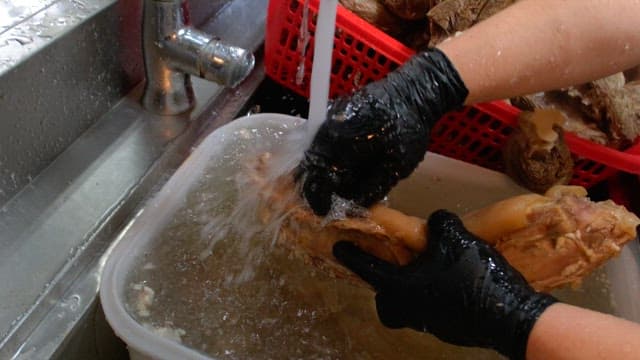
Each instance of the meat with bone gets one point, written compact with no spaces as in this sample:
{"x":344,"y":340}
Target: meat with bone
{"x":553,"y":239}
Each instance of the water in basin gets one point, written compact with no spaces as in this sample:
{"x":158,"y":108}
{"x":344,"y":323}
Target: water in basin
{"x":230,"y":296}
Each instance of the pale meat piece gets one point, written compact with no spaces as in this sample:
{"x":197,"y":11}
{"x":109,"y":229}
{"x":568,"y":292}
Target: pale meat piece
{"x":553,"y":239}
{"x":592,"y":101}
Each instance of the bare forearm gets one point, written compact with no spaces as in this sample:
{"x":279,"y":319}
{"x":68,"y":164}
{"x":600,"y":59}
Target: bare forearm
{"x":569,"y":332}
{"x":537,"y":45}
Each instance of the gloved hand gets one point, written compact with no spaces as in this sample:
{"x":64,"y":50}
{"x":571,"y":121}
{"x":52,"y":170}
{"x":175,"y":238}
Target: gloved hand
{"x":460,"y":290}
{"x":379,"y":135}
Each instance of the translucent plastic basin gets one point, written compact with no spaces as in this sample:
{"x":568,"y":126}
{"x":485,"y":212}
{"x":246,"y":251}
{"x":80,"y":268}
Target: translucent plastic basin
{"x":180,"y":285}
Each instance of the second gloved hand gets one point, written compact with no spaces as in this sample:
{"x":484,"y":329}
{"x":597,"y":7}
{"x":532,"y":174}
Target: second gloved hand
{"x":379,"y":135}
{"x":460,"y":289}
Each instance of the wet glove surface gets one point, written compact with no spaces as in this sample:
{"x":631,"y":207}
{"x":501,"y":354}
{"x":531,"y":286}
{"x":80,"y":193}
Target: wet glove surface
{"x":460,"y":290}
{"x":379,"y":135}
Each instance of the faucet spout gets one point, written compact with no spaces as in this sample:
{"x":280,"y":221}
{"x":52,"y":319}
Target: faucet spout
{"x":173,"y":51}
{"x":205,"y":56}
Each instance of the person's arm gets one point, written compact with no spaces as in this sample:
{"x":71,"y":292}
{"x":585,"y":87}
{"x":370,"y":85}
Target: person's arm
{"x":537,"y":45}
{"x":569,"y":332}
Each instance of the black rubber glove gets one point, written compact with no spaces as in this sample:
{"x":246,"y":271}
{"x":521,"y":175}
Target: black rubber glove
{"x":460,"y":290}
{"x":379,"y":135}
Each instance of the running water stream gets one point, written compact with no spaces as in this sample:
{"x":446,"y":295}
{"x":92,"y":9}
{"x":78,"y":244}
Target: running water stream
{"x":321,"y":70}
{"x":286,"y":157}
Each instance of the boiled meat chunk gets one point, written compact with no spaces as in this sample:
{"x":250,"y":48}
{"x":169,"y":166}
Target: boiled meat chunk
{"x":553,"y":239}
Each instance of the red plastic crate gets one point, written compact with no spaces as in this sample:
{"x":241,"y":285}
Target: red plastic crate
{"x":363,"y":53}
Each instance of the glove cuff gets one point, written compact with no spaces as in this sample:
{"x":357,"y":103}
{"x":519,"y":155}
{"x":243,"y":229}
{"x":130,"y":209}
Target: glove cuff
{"x":429,"y":84}
{"x":521,"y":323}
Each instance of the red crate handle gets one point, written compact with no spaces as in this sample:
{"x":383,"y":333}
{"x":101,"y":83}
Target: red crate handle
{"x":627,"y":161}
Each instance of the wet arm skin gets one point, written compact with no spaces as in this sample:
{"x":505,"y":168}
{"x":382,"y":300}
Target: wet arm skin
{"x":537,"y":45}
{"x":569,"y":332}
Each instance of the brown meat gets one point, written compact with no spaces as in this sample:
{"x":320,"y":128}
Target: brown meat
{"x":416,"y":36}
{"x":451,"y":16}
{"x":413,"y":34}
{"x":613,"y":106}
{"x":552,"y":240}
{"x":622,"y":113}
{"x":411,"y":9}
{"x":632,"y":74}
{"x":375,"y":13}
{"x":535,"y":155}
{"x":589,"y":95}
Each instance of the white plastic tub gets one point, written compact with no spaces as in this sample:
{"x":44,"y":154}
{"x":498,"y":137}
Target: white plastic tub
{"x":175,"y":286}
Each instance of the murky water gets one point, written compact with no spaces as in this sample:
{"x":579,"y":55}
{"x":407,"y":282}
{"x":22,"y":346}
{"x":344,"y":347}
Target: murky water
{"x":214,"y":280}
{"x":210,"y":286}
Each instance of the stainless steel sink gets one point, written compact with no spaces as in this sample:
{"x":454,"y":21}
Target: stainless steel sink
{"x":78,"y":156}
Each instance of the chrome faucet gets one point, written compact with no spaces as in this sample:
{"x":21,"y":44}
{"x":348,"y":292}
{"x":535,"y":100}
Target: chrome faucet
{"x":173,"y":50}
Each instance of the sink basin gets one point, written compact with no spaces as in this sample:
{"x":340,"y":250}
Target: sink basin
{"x":183,"y":283}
